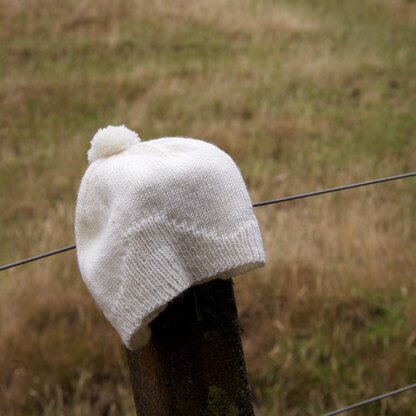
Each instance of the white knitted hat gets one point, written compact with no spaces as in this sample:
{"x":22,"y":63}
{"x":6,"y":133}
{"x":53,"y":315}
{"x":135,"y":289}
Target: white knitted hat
{"x":154,"y":218}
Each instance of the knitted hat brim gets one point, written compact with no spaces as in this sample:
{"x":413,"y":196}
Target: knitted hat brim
{"x":176,"y":257}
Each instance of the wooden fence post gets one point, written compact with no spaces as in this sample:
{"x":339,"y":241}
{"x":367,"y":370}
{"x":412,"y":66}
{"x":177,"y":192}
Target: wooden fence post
{"x":194,"y":364}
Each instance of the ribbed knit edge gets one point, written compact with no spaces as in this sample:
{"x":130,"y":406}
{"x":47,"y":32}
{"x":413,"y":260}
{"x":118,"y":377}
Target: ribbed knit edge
{"x":207,"y":257}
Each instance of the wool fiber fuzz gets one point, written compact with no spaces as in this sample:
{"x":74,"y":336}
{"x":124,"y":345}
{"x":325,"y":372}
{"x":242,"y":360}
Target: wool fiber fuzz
{"x":111,"y":140}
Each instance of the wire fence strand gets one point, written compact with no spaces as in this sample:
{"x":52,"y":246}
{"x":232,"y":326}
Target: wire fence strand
{"x":257,"y":204}
{"x":38,"y":257}
{"x":372,"y":400}
{"x":336,"y":189}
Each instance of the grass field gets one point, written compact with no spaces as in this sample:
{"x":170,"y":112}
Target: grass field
{"x":303,"y":95}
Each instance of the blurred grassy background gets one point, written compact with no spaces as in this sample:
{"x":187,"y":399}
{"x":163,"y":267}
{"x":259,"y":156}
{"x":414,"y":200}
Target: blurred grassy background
{"x":303,"y":95}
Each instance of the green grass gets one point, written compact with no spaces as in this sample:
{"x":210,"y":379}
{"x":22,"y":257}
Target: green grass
{"x":336,"y":353}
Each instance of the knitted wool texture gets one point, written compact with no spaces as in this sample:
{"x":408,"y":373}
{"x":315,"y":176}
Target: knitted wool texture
{"x":154,"y":218}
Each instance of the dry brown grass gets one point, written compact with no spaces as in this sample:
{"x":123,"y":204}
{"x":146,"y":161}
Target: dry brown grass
{"x":302,"y":97}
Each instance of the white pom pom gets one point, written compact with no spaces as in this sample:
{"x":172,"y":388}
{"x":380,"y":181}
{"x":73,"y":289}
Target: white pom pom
{"x":111,"y":140}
